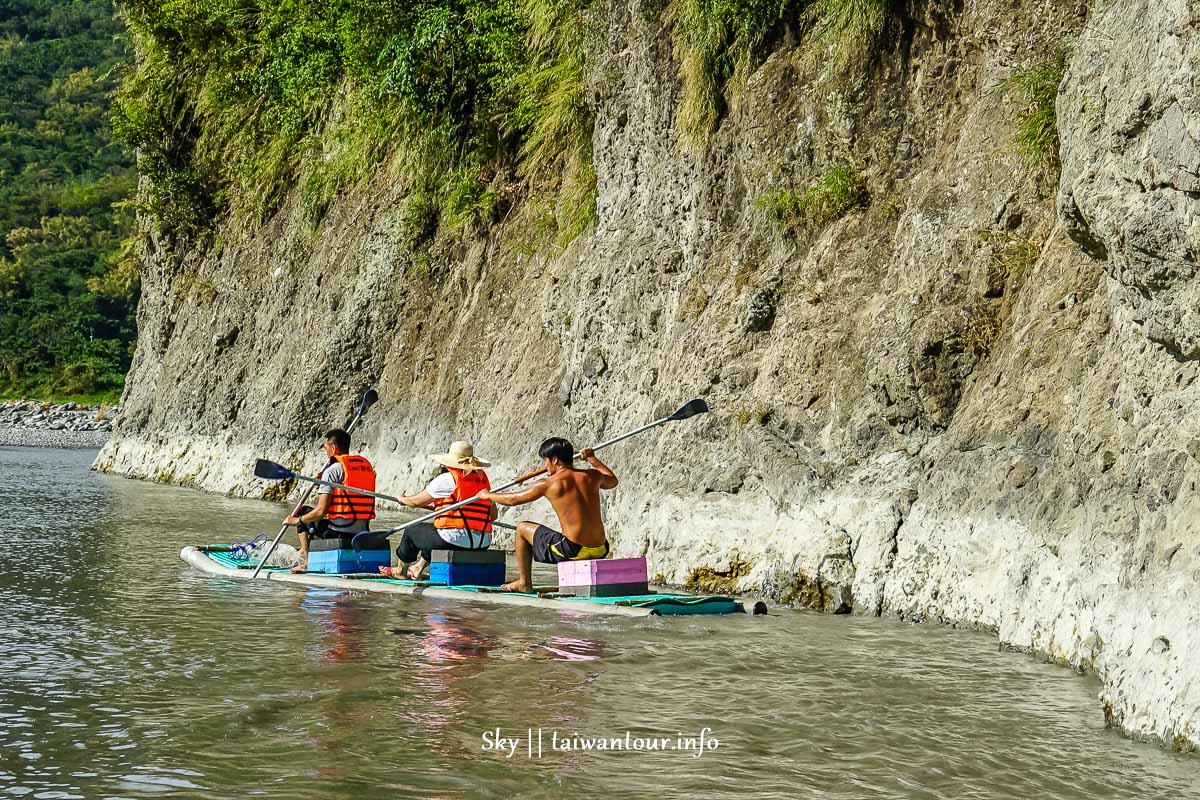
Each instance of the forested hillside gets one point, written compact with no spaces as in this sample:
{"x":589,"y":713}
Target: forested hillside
{"x":67,"y":294}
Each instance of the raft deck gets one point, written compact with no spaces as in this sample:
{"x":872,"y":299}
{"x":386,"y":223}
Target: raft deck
{"x":217,"y":562}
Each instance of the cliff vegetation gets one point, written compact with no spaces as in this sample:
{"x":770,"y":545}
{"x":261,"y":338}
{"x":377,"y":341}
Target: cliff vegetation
{"x":474,"y":103}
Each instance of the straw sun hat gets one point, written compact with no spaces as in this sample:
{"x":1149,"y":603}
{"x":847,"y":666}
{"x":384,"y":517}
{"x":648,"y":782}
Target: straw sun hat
{"x":461,"y":456}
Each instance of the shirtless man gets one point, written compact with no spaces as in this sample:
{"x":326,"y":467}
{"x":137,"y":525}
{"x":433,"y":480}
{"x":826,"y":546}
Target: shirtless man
{"x":575,"y":496}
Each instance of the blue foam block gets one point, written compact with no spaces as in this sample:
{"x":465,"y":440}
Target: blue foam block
{"x":467,"y":574}
{"x":333,"y":562}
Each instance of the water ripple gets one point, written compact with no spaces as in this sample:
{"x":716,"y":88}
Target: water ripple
{"x":127,"y":675}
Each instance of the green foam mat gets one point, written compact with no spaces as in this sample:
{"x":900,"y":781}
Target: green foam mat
{"x":228,"y":560}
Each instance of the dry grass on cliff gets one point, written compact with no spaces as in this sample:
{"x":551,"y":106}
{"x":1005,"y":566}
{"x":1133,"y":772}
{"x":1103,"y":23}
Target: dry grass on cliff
{"x":557,"y":151}
{"x":850,"y":25}
{"x":1012,"y":254}
{"x":698,"y":39}
{"x":719,"y":42}
{"x":716,"y":43}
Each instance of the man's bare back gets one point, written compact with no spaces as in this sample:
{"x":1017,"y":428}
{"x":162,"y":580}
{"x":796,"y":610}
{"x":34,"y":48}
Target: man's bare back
{"x":575,"y":496}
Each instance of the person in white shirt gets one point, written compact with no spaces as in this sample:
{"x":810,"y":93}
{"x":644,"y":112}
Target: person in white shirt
{"x":466,"y":528}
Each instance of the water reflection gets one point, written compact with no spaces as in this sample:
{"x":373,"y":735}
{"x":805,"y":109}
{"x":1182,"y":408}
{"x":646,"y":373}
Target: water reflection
{"x":452,"y":638}
{"x":342,"y":621}
{"x":571,"y":648}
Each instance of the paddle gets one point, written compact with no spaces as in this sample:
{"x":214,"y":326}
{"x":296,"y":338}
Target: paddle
{"x":686,"y":411}
{"x":277,"y":472}
{"x":370,"y":397}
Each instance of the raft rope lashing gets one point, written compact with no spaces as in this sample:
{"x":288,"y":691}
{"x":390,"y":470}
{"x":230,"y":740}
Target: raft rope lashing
{"x":241,"y":551}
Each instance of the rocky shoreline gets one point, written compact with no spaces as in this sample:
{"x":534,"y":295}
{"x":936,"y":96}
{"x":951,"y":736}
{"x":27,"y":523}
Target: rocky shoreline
{"x":32,"y":423}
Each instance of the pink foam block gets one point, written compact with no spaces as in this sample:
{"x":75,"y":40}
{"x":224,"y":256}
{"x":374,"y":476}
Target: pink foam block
{"x":601,"y":572}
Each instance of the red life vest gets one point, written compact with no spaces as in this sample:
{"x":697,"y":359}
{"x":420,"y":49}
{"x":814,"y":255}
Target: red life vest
{"x":475,"y":516}
{"x":351,"y":505}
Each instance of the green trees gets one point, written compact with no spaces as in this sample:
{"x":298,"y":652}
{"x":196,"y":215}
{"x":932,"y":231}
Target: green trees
{"x":233,"y":101}
{"x":66,"y":293}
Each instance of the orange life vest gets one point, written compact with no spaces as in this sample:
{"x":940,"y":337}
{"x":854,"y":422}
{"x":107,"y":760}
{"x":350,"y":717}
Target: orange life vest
{"x":351,"y":505}
{"x":475,"y":516}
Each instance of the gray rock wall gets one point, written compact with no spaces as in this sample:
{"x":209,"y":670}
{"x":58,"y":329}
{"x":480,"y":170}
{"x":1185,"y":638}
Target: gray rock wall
{"x":968,"y":401}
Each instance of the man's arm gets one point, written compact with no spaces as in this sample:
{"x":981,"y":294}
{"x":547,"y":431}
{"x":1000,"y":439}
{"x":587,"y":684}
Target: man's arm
{"x":312,"y":516}
{"x":422,"y":499}
{"x":608,"y":478}
{"x":528,"y":495}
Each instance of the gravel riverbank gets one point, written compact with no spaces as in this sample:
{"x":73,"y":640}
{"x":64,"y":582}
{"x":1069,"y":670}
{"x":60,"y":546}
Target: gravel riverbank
{"x":30,"y":423}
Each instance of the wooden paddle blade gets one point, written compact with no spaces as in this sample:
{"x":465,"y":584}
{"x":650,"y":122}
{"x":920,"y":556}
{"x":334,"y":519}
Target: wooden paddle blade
{"x":271,"y":471}
{"x":697,"y":406}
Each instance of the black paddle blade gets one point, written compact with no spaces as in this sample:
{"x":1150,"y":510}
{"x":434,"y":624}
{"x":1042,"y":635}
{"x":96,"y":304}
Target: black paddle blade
{"x":369,"y":398}
{"x":691,"y":409}
{"x":271,"y":471}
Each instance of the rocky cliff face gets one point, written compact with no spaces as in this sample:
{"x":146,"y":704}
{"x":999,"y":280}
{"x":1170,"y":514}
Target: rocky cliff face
{"x":972,"y":399}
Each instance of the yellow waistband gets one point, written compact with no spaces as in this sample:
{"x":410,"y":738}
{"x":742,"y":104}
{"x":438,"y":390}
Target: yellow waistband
{"x":585,"y":553}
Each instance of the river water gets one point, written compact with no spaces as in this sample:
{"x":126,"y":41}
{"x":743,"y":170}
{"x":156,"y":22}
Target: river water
{"x":125,"y":674}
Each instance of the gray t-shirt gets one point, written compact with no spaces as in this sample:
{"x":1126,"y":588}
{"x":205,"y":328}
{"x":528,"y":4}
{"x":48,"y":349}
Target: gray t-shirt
{"x":336,"y":474}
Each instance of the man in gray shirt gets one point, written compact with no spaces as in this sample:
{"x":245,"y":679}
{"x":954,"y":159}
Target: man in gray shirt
{"x":338,"y":513}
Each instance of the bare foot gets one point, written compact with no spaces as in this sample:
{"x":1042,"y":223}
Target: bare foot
{"x":415,"y":570}
{"x":516,"y":586}
{"x":303,"y":565}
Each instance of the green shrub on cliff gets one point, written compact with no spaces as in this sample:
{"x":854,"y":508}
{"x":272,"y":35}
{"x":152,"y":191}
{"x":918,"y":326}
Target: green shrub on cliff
{"x":231,"y":109}
{"x":1037,"y":121}
{"x":827,"y":200}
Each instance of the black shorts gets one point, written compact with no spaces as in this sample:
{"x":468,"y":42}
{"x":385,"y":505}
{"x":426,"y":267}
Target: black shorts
{"x":421,"y":540}
{"x":551,"y":547}
{"x":323,"y":535}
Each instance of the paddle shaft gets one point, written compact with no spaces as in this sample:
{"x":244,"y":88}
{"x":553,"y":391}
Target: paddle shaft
{"x":389,"y":498}
{"x":344,"y":487}
{"x":521,"y":478}
{"x":356,"y":490}
{"x":283,"y":528}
